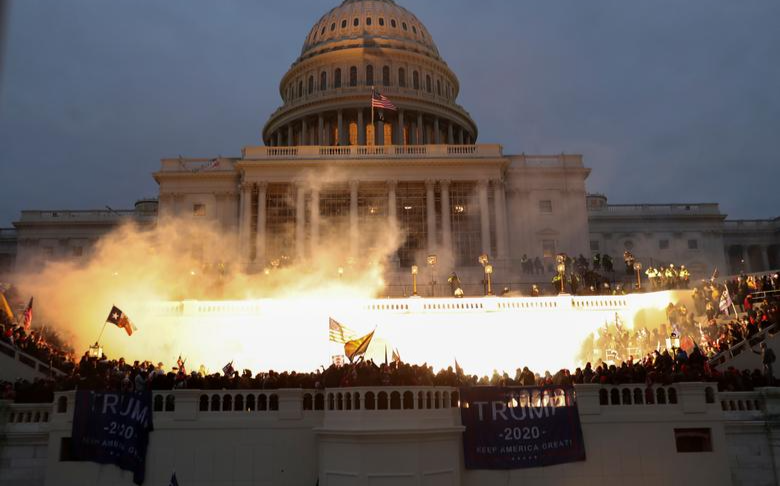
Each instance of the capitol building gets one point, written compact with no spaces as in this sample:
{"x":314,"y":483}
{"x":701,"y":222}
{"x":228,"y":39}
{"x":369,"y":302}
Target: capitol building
{"x":329,"y":168}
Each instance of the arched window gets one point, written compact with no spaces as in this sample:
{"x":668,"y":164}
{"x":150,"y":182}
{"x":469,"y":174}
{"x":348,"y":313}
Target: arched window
{"x":333,"y":26}
{"x":414,"y":29}
{"x":393,"y":23}
{"x":356,"y":22}
{"x":402,"y":77}
{"x":428,"y":85}
{"x":322,"y":32}
{"x":381,"y":21}
{"x":403,"y":26}
{"x":368,"y":20}
{"x":323,"y":81}
{"x":337,"y":78}
{"x":344,"y":24}
{"x":311,"y":84}
{"x":353,"y":76}
{"x":369,"y":75}
{"x":416,"y":80}
{"x":300,"y":89}
{"x":438,"y":87}
{"x":386,"y":76}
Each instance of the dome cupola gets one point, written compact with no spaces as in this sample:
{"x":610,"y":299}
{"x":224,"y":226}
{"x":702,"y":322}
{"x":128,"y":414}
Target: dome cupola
{"x":357,"y":46}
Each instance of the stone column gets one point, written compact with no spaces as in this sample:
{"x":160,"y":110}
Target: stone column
{"x":421,"y":127}
{"x":315,"y":220}
{"x":379,"y":133}
{"x":392,"y":208}
{"x":304,"y":133}
{"x":300,"y":219}
{"x":413,"y":133}
{"x":499,"y":200}
{"x":430,"y":206}
{"x":246,"y":220}
{"x":460,"y":136}
{"x":450,"y":134}
{"x":484,"y":213}
{"x":361,"y":126}
{"x":353,"y":218}
{"x":262,"y":188}
{"x":279,"y":138}
{"x":436,"y":135}
{"x":320,"y":130}
{"x":342,"y":137}
{"x":290,"y":135}
{"x":399,"y":132}
{"x":446,"y":214}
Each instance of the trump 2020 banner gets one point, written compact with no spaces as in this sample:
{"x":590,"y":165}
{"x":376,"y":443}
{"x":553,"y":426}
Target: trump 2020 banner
{"x":520,"y":427}
{"x":113,"y":428}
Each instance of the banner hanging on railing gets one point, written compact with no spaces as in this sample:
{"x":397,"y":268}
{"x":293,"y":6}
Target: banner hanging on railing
{"x":113,"y":428}
{"x":520,"y":427}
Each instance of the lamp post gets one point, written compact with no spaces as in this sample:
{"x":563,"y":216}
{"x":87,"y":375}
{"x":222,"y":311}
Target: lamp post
{"x":638,"y":270}
{"x":488,"y":273}
{"x":415,"y":269}
{"x":483,"y":260}
{"x":431,"y":264}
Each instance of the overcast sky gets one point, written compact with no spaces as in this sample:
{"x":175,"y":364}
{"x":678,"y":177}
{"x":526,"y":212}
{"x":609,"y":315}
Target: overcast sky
{"x":668,"y":100}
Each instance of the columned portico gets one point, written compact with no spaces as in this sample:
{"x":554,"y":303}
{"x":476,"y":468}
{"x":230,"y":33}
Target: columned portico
{"x":499,"y":201}
{"x":430,"y":205}
{"x":484,"y":215}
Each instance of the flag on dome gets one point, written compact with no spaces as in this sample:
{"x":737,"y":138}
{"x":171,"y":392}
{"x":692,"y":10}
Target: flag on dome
{"x":338,"y":333}
{"x":119,"y":319}
{"x":378,"y":100}
{"x":27,"y":316}
{"x":358,"y":347}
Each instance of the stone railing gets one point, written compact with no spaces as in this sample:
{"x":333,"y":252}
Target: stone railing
{"x":86,"y":216}
{"x":26,"y":359}
{"x":371,"y":151}
{"x":750,"y":224}
{"x":660,"y":209}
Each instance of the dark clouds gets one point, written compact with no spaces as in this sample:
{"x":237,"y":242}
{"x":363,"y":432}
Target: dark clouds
{"x":668,"y":101}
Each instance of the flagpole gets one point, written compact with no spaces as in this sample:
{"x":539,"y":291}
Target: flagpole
{"x":372,"y":114}
{"x":101,"y":332}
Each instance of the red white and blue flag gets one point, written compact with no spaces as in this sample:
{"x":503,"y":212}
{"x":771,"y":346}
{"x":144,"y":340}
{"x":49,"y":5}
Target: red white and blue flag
{"x":27,"y":316}
{"x":378,"y":100}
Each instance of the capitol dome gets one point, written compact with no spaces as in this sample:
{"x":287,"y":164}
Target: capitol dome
{"x":356,"y":46}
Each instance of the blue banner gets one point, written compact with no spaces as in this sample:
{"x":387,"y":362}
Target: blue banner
{"x":520,"y":427}
{"x":113,"y":428}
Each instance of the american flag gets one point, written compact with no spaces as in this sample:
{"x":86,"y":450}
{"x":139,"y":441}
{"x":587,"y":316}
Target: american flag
{"x":339,"y":333}
{"x":725,"y":301}
{"x":228,"y":369}
{"x":27,"y":316}
{"x":380,"y":101}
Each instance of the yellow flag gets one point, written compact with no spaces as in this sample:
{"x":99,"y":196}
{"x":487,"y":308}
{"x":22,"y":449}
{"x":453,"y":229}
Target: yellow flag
{"x":5,"y":307}
{"x":358,"y":347}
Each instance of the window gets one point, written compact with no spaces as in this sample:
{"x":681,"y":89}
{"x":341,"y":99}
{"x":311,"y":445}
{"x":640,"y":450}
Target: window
{"x":386,"y":76}
{"x":323,"y":81}
{"x":369,"y":75}
{"x":416,"y":80}
{"x":356,"y":22}
{"x":393,"y":23}
{"x":311,"y":84}
{"x":322,"y":32}
{"x":381,"y":21}
{"x":402,"y":77}
{"x":594,"y":245}
{"x":199,"y":209}
{"x":77,"y":251}
{"x":368,"y":21}
{"x":663,"y":244}
{"x":545,"y":206}
{"x":337,"y":78}
{"x":428,"y":85}
{"x":548,"y":248}
{"x":344,"y":24}
{"x":693,"y":244}
{"x":353,"y":76}
{"x":333,"y":26}
{"x":693,"y":440}
{"x":403,"y":26}
{"x":414,"y":29}
{"x":300,"y":89}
